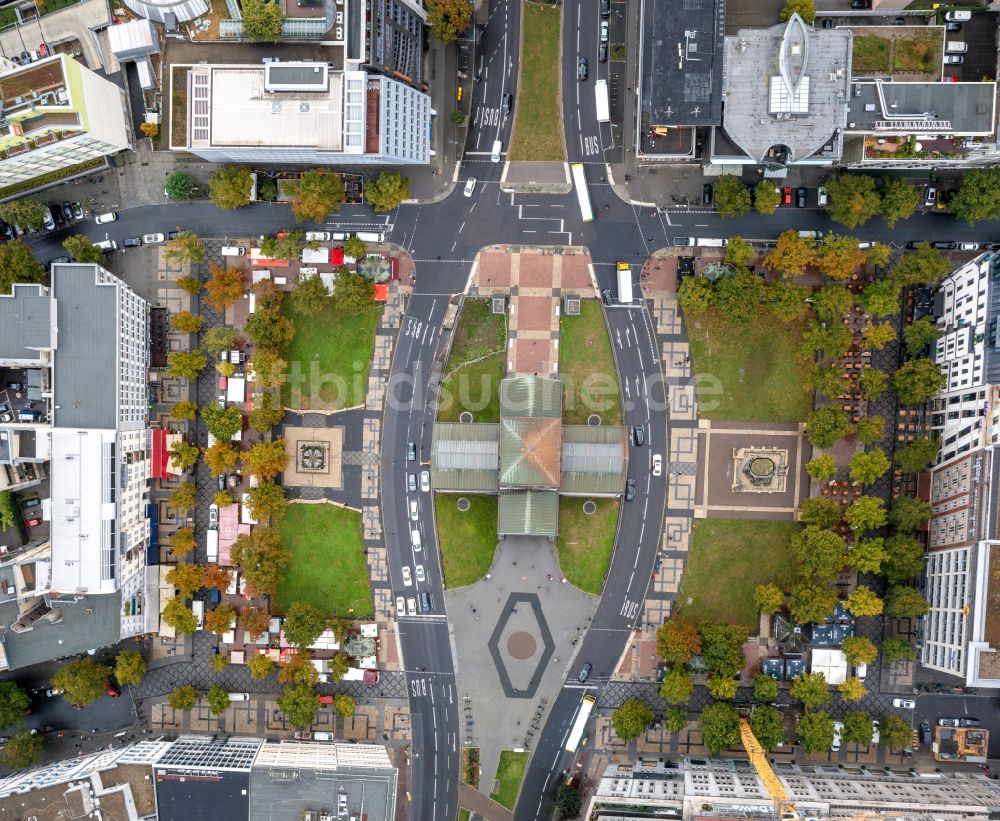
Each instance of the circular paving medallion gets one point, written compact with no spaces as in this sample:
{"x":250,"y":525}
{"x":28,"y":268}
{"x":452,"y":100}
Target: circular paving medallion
{"x":522,"y":645}
{"x":593,"y":419}
{"x":589,"y":508}
{"x":463,"y":504}
{"x":465,"y":417}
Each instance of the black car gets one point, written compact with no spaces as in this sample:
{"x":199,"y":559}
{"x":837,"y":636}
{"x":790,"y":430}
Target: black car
{"x":602,"y":53}
{"x":638,"y":435}
{"x":57,"y":215}
{"x":584,"y":673}
{"x":800,"y":197}
{"x":59,"y":261}
{"x":707,"y":194}
{"x":629,"y":490}
{"x":605,"y":8}
{"x":969,"y":721}
{"x":132,"y":242}
{"x":67,"y":210}
{"x":943,"y":245}
{"x":952,"y":26}
{"x":606,"y":296}
{"x":506,"y":103}
{"x":925,"y":733}
{"x":581,"y":68}
{"x":424,"y":600}
{"x":173,"y":235}
{"x":861,"y":4}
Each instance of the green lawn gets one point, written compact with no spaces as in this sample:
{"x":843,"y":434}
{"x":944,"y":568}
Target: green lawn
{"x":538,"y":129}
{"x":328,"y":568}
{"x":480,"y":339}
{"x":510,"y":771}
{"x":871,"y":53}
{"x":467,"y":540}
{"x":328,"y":359}
{"x":728,"y":558}
{"x":584,"y":542}
{"x":463,"y":814}
{"x":587,"y":368}
{"x":750,"y":372}
{"x":921,"y":52}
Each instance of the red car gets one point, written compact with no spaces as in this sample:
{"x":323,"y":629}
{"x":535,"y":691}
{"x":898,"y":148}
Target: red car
{"x":112,"y":689}
{"x":43,"y":50}
{"x":33,"y":523}
{"x":786,"y":196}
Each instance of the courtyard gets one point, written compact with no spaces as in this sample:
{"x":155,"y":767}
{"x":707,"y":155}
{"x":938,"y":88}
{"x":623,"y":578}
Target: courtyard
{"x":327,"y":569}
{"x":727,"y":560}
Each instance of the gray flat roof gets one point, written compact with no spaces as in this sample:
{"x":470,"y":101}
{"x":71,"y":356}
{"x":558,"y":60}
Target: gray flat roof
{"x":280,"y":794}
{"x":917,"y":108}
{"x":25,"y":324}
{"x":787,"y":85}
{"x":682,"y":52}
{"x":84,"y":383}
{"x":91,"y":622}
{"x":202,"y":796}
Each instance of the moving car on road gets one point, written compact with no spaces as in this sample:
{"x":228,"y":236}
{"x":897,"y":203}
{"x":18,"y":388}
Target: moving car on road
{"x":904,"y":703}
{"x":414,"y":511}
{"x":420,"y":573}
{"x":407,"y":576}
{"x":657,"y":464}
{"x":584,"y":673}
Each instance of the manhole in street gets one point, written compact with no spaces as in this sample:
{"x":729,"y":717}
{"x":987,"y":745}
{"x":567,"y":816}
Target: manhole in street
{"x":463,"y":504}
{"x":593,"y":419}
{"x":465,"y":418}
{"x":590,"y":508}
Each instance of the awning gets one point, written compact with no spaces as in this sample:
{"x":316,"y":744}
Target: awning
{"x":336,"y":256}
{"x":161,"y":456}
{"x":381,"y":293}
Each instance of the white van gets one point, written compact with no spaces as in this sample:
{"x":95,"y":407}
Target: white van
{"x":495,"y":153}
{"x":198,"y":608}
{"x":370,"y":236}
{"x":239,"y":696}
{"x":100,"y":219}
{"x":322,"y":736}
{"x":956,"y":47}
{"x":106,"y":245}
{"x":212,"y":545}
{"x":317,"y":236}
{"x":958,"y":16}
{"x":234,"y":251}
{"x":415,"y":539}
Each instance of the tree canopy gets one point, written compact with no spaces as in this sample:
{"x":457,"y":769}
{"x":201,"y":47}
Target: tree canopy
{"x":18,"y":265}
{"x":859,"y":650}
{"x":83,"y":681}
{"x":303,"y":623}
{"x":895,"y":731}
{"x":880,"y":298}
{"x":317,"y":194}
{"x":918,"y":381}
{"x":904,"y":558}
{"x":864,"y":602}
{"x":918,"y":455}
{"x":720,"y":727}
{"x":908,"y":515}
{"x":768,"y":726}
{"x":827,"y":425}
{"x":732,"y":197}
{"x":791,"y":254}
{"x":840,"y":256}
{"x":820,"y":552}
{"x":815,"y":732}
{"x":13,"y":702}
{"x":722,"y":647}
{"x":867,"y":467}
{"x":230,"y":187}
{"x":858,"y":727}
{"x":222,"y":422}
{"x":262,"y":20}
{"x":919,"y":334}
{"x":262,"y":558}
{"x":387,"y":191}
{"x":179,"y":186}
{"x":978,"y":195}
{"x":631,"y":719}
{"x":811,"y":602}
{"x":905,"y":602}
{"x":677,"y":685}
{"x":766,"y":198}
{"x":768,"y":598}
{"x":448,"y":18}
{"x":27,"y":213}
{"x":865,"y":513}
{"x":677,"y":641}
{"x":899,"y":200}
{"x":853,"y":199}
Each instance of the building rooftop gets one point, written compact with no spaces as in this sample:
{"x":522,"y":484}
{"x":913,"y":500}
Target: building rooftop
{"x":528,"y":512}
{"x":466,"y":457}
{"x":530,"y":452}
{"x":786,"y":90}
{"x":84,"y":380}
{"x":25,"y":324}
{"x":886,"y":107}
{"x":681,"y":64}
{"x":593,"y":459}
{"x":229,"y":106}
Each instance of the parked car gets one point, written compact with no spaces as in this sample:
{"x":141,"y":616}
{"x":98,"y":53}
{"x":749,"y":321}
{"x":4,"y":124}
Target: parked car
{"x":605,"y":8}
{"x":657,"y":464}
{"x":629,"y":490}
{"x":213,"y":514}
{"x":786,"y":196}
{"x":962,"y":16}
{"x":407,"y":576}
{"x":968,"y":246}
{"x":925,"y":733}
{"x":58,"y":261}
{"x":47,"y":220}
{"x":581,"y":68}
{"x":800,"y":197}
{"x":969,"y":721}
{"x":602,"y":53}
{"x":953,"y":59}
{"x":411,"y":452}
{"x":638,"y":435}
{"x":411,"y":606}
{"x":607,"y":297}
{"x":33,"y":523}
{"x":5,"y":414}
{"x":929,"y":196}
{"x":302,"y":735}
{"x":54,"y":691}
{"x":67,"y":210}
{"x":838,"y":728}
{"x":876,"y":735}
{"x":945,"y":245}
{"x":821,"y":197}
{"x":425,"y":481}
{"x":101,"y":219}
{"x":112,"y":689}
{"x":400,"y":606}
{"x":584,"y":673}
{"x":132,"y":242}
{"x":27,"y":504}
{"x":707,"y":194}
{"x":904,"y":703}
{"x":861,"y":4}
{"x":507,"y":103}
{"x":949,"y":722}
{"x":152,"y":239}
{"x":604,"y":31}
{"x":952,"y":26}
{"x":419,"y":571}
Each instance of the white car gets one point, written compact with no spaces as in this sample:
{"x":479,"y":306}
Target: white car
{"x":838,"y":727}
{"x":425,"y":480}
{"x":407,"y":576}
{"x":657,"y":464}
{"x":822,"y":198}
{"x":904,"y":703}
{"x":151,"y":239}
{"x":411,"y":606}
{"x":876,"y":737}
{"x":420,"y":573}
{"x":100,"y":219}
{"x":414,"y":511}
{"x":213,"y":514}
{"x":968,"y":246}
{"x":470,"y":187}
{"x":400,"y":606}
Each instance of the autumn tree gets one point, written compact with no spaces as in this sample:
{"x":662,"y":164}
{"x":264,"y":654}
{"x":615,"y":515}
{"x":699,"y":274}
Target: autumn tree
{"x":182,"y":542}
{"x":677,"y":685}
{"x":262,"y":558}
{"x":859,"y":650}
{"x":448,"y":18}
{"x":879,"y":254}
{"x":839,"y":256}
{"x":183,"y":455}
{"x":722,"y":647}
{"x":818,"y":511}
{"x":260,"y":666}
{"x":923,"y":264}
{"x":186,"y":322}
{"x":696,"y":296}
{"x":222,"y":422}
{"x":267,"y":502}
{"x":186,"y":364}
{"x":853,"y":199}
{"x":224,"y":286}
{"x":184,"y":497}
{"x":316,"y":195}
{"x":255,"y":621}
{"x":765,"y":687}
{"x":867,"y":555}
{"x":343,"y":705}
{"x":185,"y":249}
{"x":832,"y":302}
{"x":299,"y":702}
{"x":387,"y":191}
{"x":220,"y":458}
{"x":230,"y":187}
{"x":811,"y":689}
{"x":220,"y":619}
{"x":630,"y":720}
{"x":270,"y":329}
{"x":899,"y":200}
{"x":183,"y":410}
{"x":768,"y":598}
{"x":905,"y":602}
{"x":299,"y":669}
{"x":215,"y":576}
{"x":873,"y":383}
{"x":219,"y":338}
{"x":189,"y":283}
{"x":303,"y":623}
{"x":738,"y":296}
{"x":677,"y":641}
{"x":869,"y":430}
{"x":186,"y":579}
{"x":918,"y":381}
{"x":811,"y":602}
{"x":740,"y":252}
{"x":222,"y":499}
{"x":787,"y":300}
{"x":266,"y":413}
{"x":179,"y":616}
{"x":183,"y":698}
{"x":864,"y":602}
{"x":821,"y":467}
{"x":880,"y":298}
{"x":806,"y":9}
{"x":865,"y":513}
{"x":265,"y":460}
{"x":83,"y":681}
{"x":827,"y":425}
{"x":791,"y":254}
{"x":894,"y":650}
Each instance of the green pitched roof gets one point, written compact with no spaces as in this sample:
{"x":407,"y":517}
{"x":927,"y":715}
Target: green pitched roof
{"x":465,"y":457}
{"x":531,"y":396}
{"x":530,"y":452}
{"x":593,"y":459}
{"x":528,"y":513}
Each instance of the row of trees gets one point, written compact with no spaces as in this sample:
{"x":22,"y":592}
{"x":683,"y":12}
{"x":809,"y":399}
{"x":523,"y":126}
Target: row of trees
{"x":853,"y":199}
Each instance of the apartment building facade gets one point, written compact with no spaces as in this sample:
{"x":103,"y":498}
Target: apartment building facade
{"x":57,"y":114}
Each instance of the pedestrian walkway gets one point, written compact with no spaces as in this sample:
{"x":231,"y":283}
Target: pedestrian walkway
{"x":484,"y":807}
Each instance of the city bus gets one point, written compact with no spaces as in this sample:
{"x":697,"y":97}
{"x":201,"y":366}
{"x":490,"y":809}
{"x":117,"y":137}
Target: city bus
{"x":580,"y":183}
{"x":573,"y":739}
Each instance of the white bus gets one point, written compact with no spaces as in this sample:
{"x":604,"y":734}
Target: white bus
{"x":573,"y":739}
{"x":580,"y":183}
{"x":603,"y":106}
